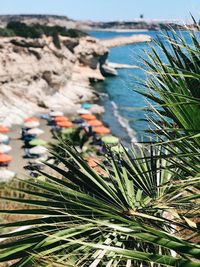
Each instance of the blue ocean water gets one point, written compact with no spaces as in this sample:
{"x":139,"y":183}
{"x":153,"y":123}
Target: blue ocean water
{"x":123,"y":105}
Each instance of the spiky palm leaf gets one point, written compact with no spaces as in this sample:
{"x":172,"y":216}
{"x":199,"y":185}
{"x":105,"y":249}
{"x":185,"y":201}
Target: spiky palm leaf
{"x":174,"y":88}
{"x":121,"y":218}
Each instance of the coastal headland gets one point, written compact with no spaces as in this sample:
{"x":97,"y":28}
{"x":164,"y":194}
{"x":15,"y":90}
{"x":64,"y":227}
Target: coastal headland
{"x":36,"y":76}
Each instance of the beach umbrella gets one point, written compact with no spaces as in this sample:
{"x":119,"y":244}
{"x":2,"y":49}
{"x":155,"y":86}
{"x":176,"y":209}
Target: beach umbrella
{"x":4,"y":129}
{"x":92,"y":162}
{"x":4,"y":158}
{"x":41,"y":159}
{"x":101,"y":130}
{"x":31,"y":119}
{"x":4,"y":138}
{"x":6,"y":175}
{"x":83,"y":111}
{"x":95,"y":123}
{"x":118,"y":149}
{"x":38,"y":142}
{"x":101,"y":171}
{"x":5,"y":148}
{"x":88,"y":117}
{"x":35,"y":131}
{"x":38,"y":150}
{"x":31,"y":124}
{"x":110,"y":139}
{"x":56,"y":113}
{"x":67,"y":130}
{"x":41,"y":178}
{"x":65,"y":124}
{"x":86,"y":105}
{"x":60,"y":118}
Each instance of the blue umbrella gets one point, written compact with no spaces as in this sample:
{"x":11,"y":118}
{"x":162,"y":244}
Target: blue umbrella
{"x":86,"y":105}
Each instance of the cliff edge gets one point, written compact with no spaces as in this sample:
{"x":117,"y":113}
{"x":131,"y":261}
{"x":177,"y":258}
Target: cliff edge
{"x":35,"y":75}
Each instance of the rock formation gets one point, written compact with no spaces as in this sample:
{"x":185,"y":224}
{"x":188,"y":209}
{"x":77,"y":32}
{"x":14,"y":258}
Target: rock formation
{"x":118,"y":41}
{"x":35,"y":75}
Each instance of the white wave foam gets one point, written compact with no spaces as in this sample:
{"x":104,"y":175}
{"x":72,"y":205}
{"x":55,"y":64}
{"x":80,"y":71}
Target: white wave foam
{"x":124,"y":123}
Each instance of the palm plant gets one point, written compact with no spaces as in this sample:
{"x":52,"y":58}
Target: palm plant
{"x":121,"y":218}
{"x":138,"y":214}
{"x":174,"y":88}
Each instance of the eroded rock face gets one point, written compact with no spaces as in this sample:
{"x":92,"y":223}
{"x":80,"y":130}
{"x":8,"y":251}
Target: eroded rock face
{"x":34,"y":74}
{"x":90,"y":51}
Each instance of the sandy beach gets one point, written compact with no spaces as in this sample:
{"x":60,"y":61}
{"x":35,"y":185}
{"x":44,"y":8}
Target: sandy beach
{"x":17,"y":151}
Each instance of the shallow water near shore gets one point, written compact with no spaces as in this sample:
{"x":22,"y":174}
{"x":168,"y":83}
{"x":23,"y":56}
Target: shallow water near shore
{"x":123,"y":105}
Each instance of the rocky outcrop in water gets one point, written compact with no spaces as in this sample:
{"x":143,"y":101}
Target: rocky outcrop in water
{"x":123,"y":40}
{"x":34,"y":74}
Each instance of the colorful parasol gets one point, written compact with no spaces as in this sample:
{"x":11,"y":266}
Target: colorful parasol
{"x":38,"y":150}
{"x":56,"y":113}
{"x":31,"y":119}
{"x":5,"y":148}
{"x":86,"y":105}
{"x":6,"y":175}
{"x":35,"y":131}
{"x":31,"y":124}
{"x":38,"y":142}
{"x":4,"y":158}
{"x":4,"y":138}
{"x":83,"y":111}
{"x":95,"y":123}
{"x":65,"y":124}
{"x":101,"y":130}
{"x":60,"y":118}
{"x":4,"y":129}
{"x":110,"y":139}
{"x":88,"y":117}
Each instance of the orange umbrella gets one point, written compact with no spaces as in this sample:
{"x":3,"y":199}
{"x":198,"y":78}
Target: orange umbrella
{"x":101,"y":171}
{"x":31,"y":119}
{"x":88,"y":117}
{"x":65,"y":124}
{"x":3,"y":129}
{"x":4,"y":158}
{"x":60,"y":119}
{"x":95,"y":123}
{"x":101,"y":130}
{"x":92,"y":162}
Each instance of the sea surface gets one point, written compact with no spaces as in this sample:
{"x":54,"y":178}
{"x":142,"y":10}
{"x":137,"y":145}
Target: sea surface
{"x":123,"y":105}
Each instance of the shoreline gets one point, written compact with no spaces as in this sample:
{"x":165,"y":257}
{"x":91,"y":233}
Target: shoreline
{"x":116,"y":30}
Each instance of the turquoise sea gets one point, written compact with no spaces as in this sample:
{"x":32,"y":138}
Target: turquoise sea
{"x":122,"y":104}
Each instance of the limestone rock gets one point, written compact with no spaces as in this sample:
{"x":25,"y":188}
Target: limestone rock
{"x":34,"y":74}
{"x":89,"y":52}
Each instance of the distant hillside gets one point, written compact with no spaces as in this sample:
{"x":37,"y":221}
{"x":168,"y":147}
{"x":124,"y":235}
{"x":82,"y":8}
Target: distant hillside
{"x":136,"y":25}
{"x":64,"y":21}
{"x":50,"y":20}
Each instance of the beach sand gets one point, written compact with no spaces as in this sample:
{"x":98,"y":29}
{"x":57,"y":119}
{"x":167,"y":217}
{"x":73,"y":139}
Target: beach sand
{"x":17,"y":151}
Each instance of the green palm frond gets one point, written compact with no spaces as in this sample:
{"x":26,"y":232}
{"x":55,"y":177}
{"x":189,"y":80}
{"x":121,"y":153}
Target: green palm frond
{"x":84,"y":210}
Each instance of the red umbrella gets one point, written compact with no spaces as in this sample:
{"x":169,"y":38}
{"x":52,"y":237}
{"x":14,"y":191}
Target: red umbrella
{"x":101,"y":130}
{"x":4,"y":158}
{"x":95,"y":123}
{"x":65,"y":124}
{"x":88,"y":117}
{"x":3,"y":129}
{"x":60,"y":119}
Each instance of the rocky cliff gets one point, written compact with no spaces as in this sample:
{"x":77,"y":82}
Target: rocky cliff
{"x":35,"y":75}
